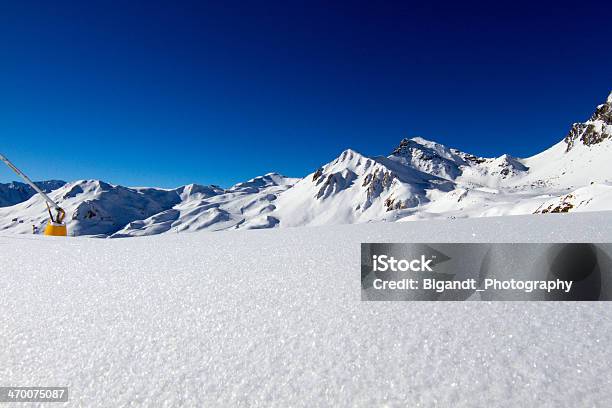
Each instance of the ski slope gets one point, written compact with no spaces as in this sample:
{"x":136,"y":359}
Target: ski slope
{"x":274,"y":318}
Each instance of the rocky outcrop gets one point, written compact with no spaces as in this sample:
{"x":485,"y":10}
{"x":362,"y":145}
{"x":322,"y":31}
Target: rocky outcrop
{"x":375,"y":183}
{"x":597,"y":129}
{"x":335,"y":182}
{"x":428,"y":157}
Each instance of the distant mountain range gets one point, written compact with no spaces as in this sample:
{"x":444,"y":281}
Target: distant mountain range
{"x":419,"y":179}
{"x":16,"y":192}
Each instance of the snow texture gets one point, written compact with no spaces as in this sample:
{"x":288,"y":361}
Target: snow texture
{"x":274,"y":318}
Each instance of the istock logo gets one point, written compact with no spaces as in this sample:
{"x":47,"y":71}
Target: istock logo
{"x":384,"y":263}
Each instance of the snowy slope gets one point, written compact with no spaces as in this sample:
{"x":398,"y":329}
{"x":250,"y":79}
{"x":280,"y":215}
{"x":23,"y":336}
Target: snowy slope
{"x":274,"y":318}
{"x":595,"y":197}
{"x":246,"y":205}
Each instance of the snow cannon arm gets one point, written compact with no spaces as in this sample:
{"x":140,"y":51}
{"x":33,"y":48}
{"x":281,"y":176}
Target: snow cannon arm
{"x":61,"y":214}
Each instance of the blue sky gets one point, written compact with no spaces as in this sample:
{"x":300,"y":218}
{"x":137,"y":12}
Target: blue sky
{"x":169,"y":93}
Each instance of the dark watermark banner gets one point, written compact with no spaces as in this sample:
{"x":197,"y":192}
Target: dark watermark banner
{"x":474,"y":271}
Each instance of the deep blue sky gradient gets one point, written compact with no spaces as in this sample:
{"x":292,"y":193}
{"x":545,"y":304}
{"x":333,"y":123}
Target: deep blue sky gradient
{"x":169,"y":93}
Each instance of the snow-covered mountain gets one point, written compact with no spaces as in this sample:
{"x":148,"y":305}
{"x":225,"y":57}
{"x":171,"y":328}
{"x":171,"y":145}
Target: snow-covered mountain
{"x":93,"y":207}
{"x":424,"y":179}
{"x":419,"y":179}
{"x":102,"y":209}
{"x":245,"y":205}
{"x":16,"y":192}
{"x":354,"y":188}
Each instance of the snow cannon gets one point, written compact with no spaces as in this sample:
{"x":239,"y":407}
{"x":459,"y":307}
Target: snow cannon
{"x":56,"y":225}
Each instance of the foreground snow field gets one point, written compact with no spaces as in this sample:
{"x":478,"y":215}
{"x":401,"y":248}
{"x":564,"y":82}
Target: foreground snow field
{"x":274,"y":318}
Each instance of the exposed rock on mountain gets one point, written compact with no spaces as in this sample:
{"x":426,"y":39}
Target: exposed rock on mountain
{"x":595,"y":130}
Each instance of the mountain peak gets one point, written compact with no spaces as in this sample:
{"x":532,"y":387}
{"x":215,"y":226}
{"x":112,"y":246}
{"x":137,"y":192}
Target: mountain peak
{"x":428,"y":157}
{"x":407,"y":143}
{"x":422,"y":141}
{"x":349,"y":156}
{"x":267,"y":180}
{"x":198,"y":191}
{"x":595,"y":130}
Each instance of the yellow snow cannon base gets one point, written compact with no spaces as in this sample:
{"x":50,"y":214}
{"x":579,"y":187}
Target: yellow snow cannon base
{"x":55,"y":229}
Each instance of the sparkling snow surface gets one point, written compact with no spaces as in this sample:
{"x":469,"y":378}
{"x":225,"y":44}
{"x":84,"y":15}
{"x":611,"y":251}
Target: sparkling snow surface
{"x":274,"y":318}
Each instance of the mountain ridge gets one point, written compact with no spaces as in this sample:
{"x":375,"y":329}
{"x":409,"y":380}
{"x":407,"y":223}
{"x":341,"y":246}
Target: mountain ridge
{"x":16,"y":192}
{"x":418,"y":179}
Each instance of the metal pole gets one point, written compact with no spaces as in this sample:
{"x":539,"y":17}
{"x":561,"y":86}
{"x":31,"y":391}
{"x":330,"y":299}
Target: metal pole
{"x":30,"y":182}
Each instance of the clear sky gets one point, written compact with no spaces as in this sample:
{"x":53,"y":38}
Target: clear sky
{"x":175,"y":92}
